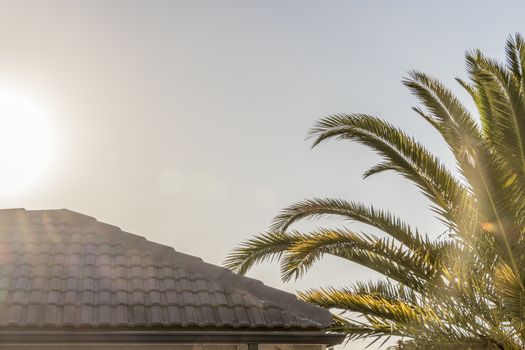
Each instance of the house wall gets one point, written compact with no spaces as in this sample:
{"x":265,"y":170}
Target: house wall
{"x":160,"y":347}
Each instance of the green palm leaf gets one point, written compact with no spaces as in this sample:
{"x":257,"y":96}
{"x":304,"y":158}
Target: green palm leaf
{"x":465,"y":291}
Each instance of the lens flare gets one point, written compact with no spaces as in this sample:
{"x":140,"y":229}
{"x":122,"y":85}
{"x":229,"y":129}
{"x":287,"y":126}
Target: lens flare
{"x":488,"y":226}
{"x":26,"y":142}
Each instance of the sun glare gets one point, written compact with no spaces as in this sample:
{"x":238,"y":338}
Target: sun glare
{"x":26,"y":142}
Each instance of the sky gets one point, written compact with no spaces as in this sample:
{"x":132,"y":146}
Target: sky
{"x":186,"y":121}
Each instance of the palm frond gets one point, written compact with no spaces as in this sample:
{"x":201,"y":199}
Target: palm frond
{"x":319,"y":207}
{"x":464,"y":291}
{"x":265,"y":247}
{"x":401,"y":313}
{"x":402,"y":152}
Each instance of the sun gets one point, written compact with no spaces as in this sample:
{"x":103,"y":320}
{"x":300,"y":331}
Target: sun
{"x":26,"y":142}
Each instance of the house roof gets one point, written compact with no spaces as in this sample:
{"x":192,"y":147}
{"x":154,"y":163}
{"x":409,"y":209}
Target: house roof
{"x":61,"y":269}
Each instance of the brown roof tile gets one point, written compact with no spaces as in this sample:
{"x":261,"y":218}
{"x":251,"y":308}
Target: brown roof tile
{"x":60,"y":268}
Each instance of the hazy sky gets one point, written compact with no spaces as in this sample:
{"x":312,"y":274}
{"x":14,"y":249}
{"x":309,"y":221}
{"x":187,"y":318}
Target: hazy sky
{"x":185,"y":121}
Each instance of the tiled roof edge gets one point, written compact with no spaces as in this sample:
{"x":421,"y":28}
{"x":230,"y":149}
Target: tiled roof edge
{"x":287,"y":301}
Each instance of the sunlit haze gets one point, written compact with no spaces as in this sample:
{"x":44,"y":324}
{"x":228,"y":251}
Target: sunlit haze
{"x":27,"y":143}
{"x":186,"y":121}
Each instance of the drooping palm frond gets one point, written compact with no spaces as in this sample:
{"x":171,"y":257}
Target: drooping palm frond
{"x":380,"y":219}
{"x":401,"y":152}
{"x":464,"y":292}
{"x":298,"y":252}
{"x":267,"y":246}
{"x":399,"y":313}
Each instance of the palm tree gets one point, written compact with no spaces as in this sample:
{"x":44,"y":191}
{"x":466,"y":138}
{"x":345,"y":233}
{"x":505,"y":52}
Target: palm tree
{"x":466,"y":291}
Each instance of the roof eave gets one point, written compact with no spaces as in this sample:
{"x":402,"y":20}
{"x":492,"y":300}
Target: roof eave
{"x":167,"y":336}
